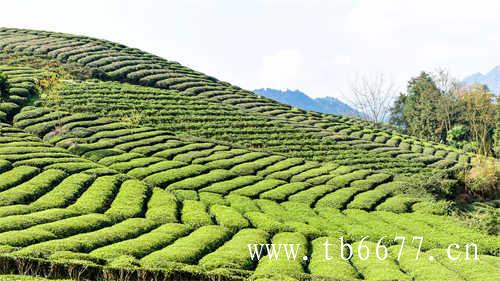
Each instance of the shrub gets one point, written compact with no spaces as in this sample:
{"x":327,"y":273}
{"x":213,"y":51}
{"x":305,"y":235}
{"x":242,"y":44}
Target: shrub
{"x":125,"y":167}
{"x":374,"y":268}
{"x":440,"y":207}
{"x":64,"y":193}
{"x":320,"y":266}
{"x":282,"y":267}
{"x":423,"y":269}
{"x":228,"y":217}
{"x":345,"y":179}
{"x":16,"y":176}
{"x":287,"y":174}
{"x":265,"y":222}
{"x":86,"y":242}
{"x":162,"y":207}
{"x":74,"y":167}
{"x":253,"y":167}
{"x":483,"y":179}
{"x":230,"y":162}
{"x":280,"y":166}
{"x":119,"y":158}
{"x":274,"y":209}
{"x":165,"y":178}
{"x":367,"y":200}
{"x":190,"y":156}
{"x":282,"y":192}
{"x":241,"y":203}
{"x":194,"y":213}
{"x":129,"y":202}
{"x":99,"y":154}
{"x":27,"y":220}
{"x":397,"y":204}
{"x":310,"y":195}
{"x":211,"y":199}
{"x":257,"y":188}
{"x":170,"y":153}
{"x":182,"y":194}
{"x":480,"y":269}
{"x":232,"y":255}
{"x":324,"y":169}
{"x":98,"y":196}
{"x":339,"y":198}
{"x":188,"y":249}
{"x":144,"y":244}
{"x":32,"y":189}
{"x":309,"y":231}
{"x":219,"y":155}
{"x":225,"y":187}
{"x":201,"y":181}
{"x":74,"y":225}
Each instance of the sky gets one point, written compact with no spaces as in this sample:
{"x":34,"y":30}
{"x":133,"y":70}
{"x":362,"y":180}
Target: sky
{"x":317,"y":46}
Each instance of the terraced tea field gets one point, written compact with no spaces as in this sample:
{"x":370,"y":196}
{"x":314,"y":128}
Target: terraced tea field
{"x":153,"y":171}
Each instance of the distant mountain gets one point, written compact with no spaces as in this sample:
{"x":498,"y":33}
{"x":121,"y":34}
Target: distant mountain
{"x":299,"y":99}
{"x":490,"y":79}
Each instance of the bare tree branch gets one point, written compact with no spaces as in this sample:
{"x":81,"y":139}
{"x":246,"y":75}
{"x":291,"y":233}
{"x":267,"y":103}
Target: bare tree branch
{"x":372,"y":96}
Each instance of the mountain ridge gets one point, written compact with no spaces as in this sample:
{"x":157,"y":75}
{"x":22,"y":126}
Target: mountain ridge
{"x":490,"y":79}
{"x":299,"y":99}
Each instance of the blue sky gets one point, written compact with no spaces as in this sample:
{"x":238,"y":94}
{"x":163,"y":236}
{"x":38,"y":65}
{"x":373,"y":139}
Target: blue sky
{"x":316,"y":46}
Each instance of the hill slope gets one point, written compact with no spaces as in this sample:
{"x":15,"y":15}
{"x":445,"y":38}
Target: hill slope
{"x":174,"y":176}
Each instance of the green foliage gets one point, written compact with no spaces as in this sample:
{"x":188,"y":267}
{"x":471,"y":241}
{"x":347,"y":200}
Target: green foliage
{"x":194,"y":213}
{"x":189,"y":249}
{"x":4,"y":87}
{"x":98,"y":196}
{"x":335,"y":266}
{"x":145,"y":244}
{"x":423,"y":268}
{"x":231,"y":255}
{"x":129,"y":202}
{"x":282,"y":267}
{"x":374,"y":268}
{"x":162,"y":207}
{"x":228,"y":217}
{"x":16,"y":176}
{"x":32,"y":189}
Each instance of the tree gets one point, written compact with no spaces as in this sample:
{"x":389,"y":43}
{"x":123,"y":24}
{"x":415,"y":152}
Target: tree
{"x":396,"y":112}
{"x":50,"y":87}
{"x":420,"y":108}
{"x":430,"y":107}
{"x":449,"y":105}
{"x":4,"y":87}
{"x":480,"y":114}
{"x":372,"y":96}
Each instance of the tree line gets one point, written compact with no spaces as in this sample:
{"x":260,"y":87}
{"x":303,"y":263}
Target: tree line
{"x":435,"y":107}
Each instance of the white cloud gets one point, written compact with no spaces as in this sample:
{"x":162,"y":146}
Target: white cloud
{"x":281,"y":69}
{"x":341,"y":60}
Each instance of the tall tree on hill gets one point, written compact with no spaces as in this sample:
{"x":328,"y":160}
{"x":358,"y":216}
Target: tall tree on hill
{"x":449,"y":105}
{"x":480,"y":114}
{"x":420,"y":108}
{"x":430,"y":107}
{"x":372,"y":96}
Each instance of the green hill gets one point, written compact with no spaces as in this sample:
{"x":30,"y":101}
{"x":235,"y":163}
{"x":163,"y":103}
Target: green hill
{"x":140,"y":167}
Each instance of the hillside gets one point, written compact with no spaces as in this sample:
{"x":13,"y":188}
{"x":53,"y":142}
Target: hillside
{"x":137,"y":166}
{"x":300,"y":100}
{"x":490,"y":79}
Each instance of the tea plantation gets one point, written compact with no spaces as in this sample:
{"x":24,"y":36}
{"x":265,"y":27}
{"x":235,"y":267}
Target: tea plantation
{"x":138,"y":168}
